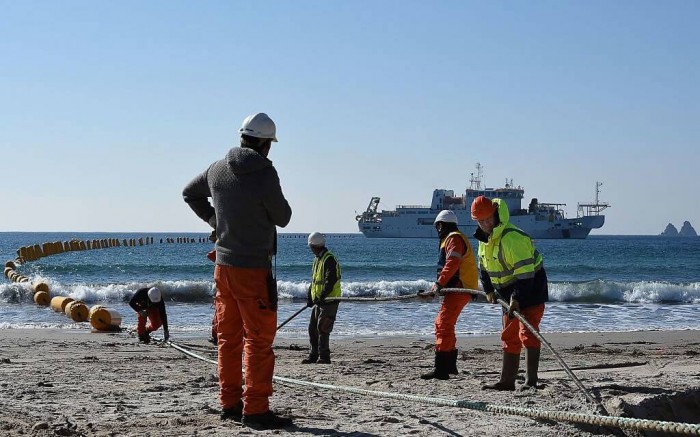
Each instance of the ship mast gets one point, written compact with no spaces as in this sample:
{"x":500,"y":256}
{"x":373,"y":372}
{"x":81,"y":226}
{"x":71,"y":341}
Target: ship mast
{"x":475,"y":182}
{"x":586,"y":209}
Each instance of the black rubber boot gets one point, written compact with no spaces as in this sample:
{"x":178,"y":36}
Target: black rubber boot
{"x":324,"y":359}
{"x":452,"y":368}
{"x":511,"y":362}
{"x":234,"y":413}
{"x":442,"y":365}
{"x":532,"y":361}
{"x":310,"y":360}
{"x":268,"y":420}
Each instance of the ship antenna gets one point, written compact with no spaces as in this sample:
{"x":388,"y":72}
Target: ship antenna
{"x":475,"y":182}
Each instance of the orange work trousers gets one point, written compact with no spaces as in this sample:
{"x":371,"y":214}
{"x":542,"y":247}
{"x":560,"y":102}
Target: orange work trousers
{"x":243,"y":306}
{"x":515,"y":335}
{"x":452,"y":305}
{"x":154,"y":321}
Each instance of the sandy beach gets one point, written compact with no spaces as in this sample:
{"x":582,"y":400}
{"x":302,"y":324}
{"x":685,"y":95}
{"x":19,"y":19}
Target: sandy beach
{"x":77,"y":383}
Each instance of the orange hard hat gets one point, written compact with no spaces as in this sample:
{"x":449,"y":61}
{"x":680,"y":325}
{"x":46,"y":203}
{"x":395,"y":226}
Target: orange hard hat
{"x":482,"y":208}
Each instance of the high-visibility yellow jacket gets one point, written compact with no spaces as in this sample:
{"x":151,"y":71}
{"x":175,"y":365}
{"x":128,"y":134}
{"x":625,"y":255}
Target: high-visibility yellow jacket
{"x":457,"y":269}
{"x":325,"y":276}
{"x":509,"y":262}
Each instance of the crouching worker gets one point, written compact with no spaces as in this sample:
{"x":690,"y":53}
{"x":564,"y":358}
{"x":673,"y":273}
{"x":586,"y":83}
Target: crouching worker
{"x":325,"y":283}
{"x":456,"y":268}
{"x":148,"y":304}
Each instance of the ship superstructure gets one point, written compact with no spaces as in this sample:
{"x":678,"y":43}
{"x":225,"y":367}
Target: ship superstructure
{"x":539,"y":220}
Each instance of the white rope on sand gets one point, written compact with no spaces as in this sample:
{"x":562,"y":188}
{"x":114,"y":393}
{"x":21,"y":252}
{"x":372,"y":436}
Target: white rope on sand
{"x":560,"y":416}
{"x":506,"y":306}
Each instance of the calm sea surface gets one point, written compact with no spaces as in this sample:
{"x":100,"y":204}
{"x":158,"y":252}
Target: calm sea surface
{"x":603,"y":283}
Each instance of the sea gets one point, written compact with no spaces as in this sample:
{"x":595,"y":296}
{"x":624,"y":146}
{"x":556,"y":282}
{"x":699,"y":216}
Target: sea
{"x":603,"y":283}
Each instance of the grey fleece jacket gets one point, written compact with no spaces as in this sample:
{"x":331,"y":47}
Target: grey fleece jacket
{"x":247,"y":205}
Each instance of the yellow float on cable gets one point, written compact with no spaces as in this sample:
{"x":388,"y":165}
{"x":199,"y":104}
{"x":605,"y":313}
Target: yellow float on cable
{"x":104,"y":319}
{"x":38,"y":286}
{"x":58,"y":303}
{"x":77,"y":311}
{"x":42,"y":298}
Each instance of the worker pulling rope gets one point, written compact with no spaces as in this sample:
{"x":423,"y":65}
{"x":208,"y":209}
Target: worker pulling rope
{"x":504,"y":304}
{"x":561,"y":416}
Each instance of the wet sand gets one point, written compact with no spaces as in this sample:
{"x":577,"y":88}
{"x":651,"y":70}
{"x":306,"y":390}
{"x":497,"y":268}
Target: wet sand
{"x":77,"y":383}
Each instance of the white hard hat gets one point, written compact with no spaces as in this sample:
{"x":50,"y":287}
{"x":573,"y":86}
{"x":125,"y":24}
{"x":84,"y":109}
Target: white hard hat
{"x":446,"y":216}
{"x":154,"y":295}
{"x":259,"y":126}
{"x":317,"y":239}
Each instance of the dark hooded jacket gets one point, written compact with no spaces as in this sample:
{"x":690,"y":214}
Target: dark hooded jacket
{"x":247,"y":203}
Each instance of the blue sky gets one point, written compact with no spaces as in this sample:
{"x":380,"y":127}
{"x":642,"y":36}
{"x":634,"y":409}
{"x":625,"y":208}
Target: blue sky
{"x":107,"y":109}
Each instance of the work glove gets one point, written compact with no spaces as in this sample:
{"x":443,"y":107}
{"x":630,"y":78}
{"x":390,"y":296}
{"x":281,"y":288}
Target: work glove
{"x":514,"y":306}
{"x":491,"y":297}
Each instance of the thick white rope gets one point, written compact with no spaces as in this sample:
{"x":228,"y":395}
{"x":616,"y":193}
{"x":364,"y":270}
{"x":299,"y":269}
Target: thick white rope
{"x":561,"y":416}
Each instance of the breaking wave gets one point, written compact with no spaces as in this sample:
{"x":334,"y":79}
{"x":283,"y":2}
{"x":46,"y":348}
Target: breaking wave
{"x":597,"y":291}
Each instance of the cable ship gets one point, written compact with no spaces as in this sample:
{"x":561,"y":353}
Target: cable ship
{"x":539,"y":220}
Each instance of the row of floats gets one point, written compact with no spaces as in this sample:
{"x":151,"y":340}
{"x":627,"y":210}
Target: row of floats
{"x":33,"y":253}
{"x":100,"y":317}
{"x":36,"y":251}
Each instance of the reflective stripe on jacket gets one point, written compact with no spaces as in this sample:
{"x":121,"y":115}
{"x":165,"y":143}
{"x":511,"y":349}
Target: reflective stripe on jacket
{"x":318,"y":277}
{"x":467,"y":275}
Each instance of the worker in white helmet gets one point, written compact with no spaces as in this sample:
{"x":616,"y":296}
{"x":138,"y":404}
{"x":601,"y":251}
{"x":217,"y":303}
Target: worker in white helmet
{"x":246,"y":205}
{"x":149,"y":305}
{"x":325,"y":285}
{"x":456,"y":269}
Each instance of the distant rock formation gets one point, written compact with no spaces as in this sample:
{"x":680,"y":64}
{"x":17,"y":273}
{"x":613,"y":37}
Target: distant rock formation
{"x":687,"y":230}
{"x":670,"y":231}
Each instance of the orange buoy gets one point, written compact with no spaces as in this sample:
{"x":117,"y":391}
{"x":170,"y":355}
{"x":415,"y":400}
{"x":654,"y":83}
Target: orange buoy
{"x":104,"y":319}
{"x":42,"y":298}
{"x":40,"y":286}
{"x":77,"y":311}
{"x":58,"y":303}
